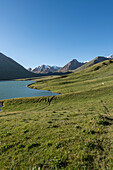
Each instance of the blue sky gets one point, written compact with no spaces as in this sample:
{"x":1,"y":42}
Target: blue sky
{"x":53,"y":32}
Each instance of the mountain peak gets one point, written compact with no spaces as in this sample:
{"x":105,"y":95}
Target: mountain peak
{"x":99,"y":57}
{"x":92,"y":62}
{"x":110,"y":57}
{"x":10,"y":69}
{"x":45,"y":69}
{"x":74,"y":60}
{"x":72,"y":65}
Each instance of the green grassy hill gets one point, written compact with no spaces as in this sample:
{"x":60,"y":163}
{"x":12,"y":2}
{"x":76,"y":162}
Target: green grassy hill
{"x":69,"y":131}
{"x":92,"y":62}
{"x":83,"y":80}
{"x":9,"y":69}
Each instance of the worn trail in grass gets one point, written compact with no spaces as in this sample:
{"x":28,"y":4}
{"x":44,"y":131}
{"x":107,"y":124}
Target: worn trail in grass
{"x":69,"y":131}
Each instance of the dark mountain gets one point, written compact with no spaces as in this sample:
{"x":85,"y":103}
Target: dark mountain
{"x":10,"y":69}
{"x":45,"y":69}
{"x":72,"y":65}
{"x":92,"y":62}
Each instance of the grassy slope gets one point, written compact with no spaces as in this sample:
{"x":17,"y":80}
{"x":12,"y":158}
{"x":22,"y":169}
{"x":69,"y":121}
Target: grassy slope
{"x":90,"y":63}
{"x":69,"y":131}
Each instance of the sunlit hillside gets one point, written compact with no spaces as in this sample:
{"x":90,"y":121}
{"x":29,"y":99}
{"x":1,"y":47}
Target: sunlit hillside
{"x":73,"y":130}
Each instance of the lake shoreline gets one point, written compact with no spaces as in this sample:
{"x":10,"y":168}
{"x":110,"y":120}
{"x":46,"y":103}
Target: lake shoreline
{"x":19,"y":89}
{"x":25,"y":88}
{"x":40,"y":89}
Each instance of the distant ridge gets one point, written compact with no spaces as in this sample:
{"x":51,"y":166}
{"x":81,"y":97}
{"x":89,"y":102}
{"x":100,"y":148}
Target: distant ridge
{"x":72,"y":65}
{"x":110,"y":57}
{"x":45,"y":69}
{"x":10,"y":69}
{"x":92,"y":62}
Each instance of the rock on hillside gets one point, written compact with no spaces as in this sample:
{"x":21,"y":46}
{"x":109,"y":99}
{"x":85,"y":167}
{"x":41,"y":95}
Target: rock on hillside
{"x":72,"y":65}
{"x":10,"y":69}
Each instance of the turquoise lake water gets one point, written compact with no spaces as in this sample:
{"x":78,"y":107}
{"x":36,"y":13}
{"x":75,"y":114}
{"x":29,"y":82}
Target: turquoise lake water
{"x":16,"y":89}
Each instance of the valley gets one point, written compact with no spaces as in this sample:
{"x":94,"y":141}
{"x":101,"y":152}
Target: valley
{"x":69,"y":131}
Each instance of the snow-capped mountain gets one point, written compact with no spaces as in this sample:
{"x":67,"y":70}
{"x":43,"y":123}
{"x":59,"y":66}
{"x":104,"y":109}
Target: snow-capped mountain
{"x":110,"y":57}
{"x":45,"y":69}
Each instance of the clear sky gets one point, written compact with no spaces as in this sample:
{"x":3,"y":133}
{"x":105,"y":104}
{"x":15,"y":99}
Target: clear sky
{"x":53,"y":32}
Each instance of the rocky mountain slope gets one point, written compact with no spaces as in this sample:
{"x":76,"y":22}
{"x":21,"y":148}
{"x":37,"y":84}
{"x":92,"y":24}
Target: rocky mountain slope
{"x":10,"y":69}
{"x":72,"y":65}
{"x":45,"y":69}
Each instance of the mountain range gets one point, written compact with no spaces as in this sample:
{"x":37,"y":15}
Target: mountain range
{"x":10,"y":69}
{"x":45,"y":69}
{"x":73,"y":65}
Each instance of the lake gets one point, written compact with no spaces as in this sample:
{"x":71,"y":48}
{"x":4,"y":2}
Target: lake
{"x":16,"y":89}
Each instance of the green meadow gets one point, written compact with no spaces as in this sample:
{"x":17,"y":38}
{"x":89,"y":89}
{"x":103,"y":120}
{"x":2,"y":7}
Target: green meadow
{"x":73,"y":130}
